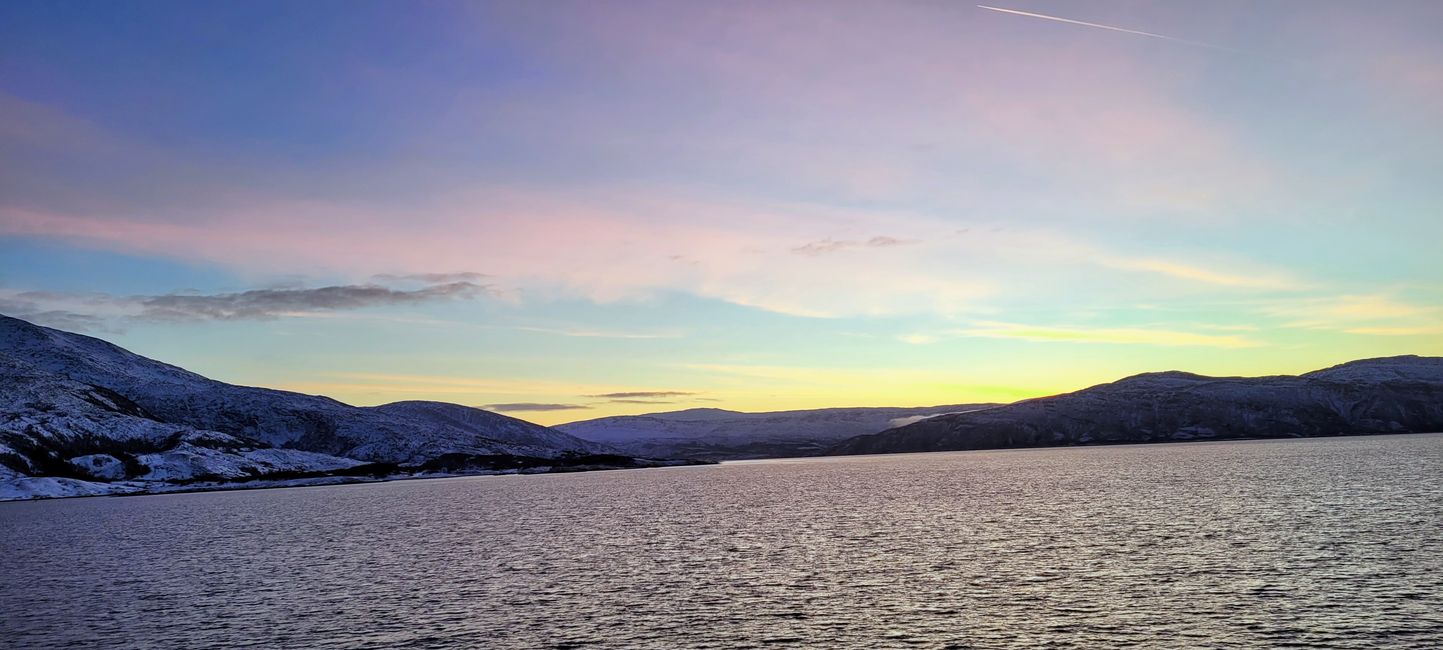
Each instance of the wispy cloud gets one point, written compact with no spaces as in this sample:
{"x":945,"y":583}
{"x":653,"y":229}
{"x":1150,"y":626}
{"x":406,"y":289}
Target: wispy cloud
{"x":883,"y":241}
{"x":1420,"y":330}
{"x":1262,"y":280}
{"x":643,"y":394}
{"x":872,"y":386}
{"x":598,"y":333}
{"x":420,"y":384}
{"x":58,"y":318}
{"x":824,"y":246}
{"x":1135,"y":32}
{"x":1110,"y":335}
{"x":1375,"y":314}
{"x":431,"y":278}
{"x":534,"y":406}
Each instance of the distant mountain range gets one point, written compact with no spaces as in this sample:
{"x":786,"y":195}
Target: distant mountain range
{"x":1389,"y":395}
{"x":718,"y":434}
{"x":81,"y":416}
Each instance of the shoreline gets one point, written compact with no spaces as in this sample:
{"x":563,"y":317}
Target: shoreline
{"x":327,"y":481}
{"x":157,"y":488}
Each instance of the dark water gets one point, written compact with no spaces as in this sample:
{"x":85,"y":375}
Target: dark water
{"x":1303,"y":543}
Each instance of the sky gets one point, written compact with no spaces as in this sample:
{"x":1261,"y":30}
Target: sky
{"x":566,"y":210}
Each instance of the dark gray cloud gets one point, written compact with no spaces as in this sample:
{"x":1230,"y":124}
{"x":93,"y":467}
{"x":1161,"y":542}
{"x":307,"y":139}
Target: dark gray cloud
{"x":641,"y":401}
{"x":57,"y":318}
{"x":533,"y":406}
{"x":266,"y":304}
{"x":643,"y":393}
{"x":105,"y":312}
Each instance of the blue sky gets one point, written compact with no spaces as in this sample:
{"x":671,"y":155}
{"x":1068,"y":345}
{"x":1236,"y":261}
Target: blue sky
{"x":743,"y":205}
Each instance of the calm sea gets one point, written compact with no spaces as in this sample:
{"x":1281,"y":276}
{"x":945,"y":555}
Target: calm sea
{"x":1332,"y":543}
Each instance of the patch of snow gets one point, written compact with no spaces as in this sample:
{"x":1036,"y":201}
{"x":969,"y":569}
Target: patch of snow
{"x":913,"y":419}
{"x":100,"y":466}
{"x":188,"y":462}
{"x":48,"y":487}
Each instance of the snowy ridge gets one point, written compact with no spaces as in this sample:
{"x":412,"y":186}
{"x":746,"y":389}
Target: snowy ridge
{"x":76,"y":408}
{"x":1372,"y":396}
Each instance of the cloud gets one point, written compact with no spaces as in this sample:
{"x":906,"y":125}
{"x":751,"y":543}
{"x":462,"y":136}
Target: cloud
{"x":449,"y":386}
{"x":1110,"y":335}
{"x":1199,"y":274}
{"x":738,"y":199}
{"x":1421,"y":330}
{"x":57,"y":318}
{"x":432,"y":278}
{"x":643,"y":394}
{"x":93,"y":311}
{"x":533,"y":406}
{"x":829,"y":245}
{"x":883,"y":241}
{"x":641,"y":401}
{"x":266,"y":304}
{"x":599,"y":333}
{"x":1376,"y":314}
{"x":822,"y":247}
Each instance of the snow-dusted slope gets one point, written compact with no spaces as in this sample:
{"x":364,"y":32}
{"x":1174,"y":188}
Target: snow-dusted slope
{"x":400,"y":433}
{"x":52,"y":425}
{"x":77,"y":408}
{"x":719,"y":434}
{"x":517,"y":434}
{"x":1389,"y":395}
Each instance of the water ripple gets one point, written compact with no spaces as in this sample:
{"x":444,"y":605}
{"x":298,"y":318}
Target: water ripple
{"x":1333,"y":543}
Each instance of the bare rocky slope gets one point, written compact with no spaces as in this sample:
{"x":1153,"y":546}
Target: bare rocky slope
{"x":1373,"y":396}
{"x":77,"y":413}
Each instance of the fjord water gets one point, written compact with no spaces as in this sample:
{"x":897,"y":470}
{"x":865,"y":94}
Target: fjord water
{"x":1301,"y":543}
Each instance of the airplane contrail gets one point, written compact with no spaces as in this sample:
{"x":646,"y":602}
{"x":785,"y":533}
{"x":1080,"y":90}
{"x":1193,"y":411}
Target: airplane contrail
{"x":1109,"y":28}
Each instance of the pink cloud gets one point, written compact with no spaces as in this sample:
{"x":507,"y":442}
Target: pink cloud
{"x":739,"y":132}
{"x":878,"y":101}
{"x":611,"y":247}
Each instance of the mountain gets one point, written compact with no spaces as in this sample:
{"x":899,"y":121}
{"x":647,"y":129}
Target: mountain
{"x":1389,"y":395}
{"x":78,"y":410}
{"x":718,"y":434}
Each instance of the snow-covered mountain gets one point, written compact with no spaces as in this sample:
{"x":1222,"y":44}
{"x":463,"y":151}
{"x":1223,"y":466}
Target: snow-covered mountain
{"x":76,"y":408}
{"x":1389,"y":395}
{"x":718,"y":434}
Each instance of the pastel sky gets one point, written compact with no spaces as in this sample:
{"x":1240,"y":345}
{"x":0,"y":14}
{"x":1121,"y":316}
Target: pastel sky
{"x":564,"y":210}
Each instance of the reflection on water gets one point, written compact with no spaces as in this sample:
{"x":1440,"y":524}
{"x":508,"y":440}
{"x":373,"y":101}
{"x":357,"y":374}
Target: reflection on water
{"x":1315,"y":543}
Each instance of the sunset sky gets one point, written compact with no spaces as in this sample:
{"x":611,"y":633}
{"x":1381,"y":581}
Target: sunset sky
{"x":565,"y":210}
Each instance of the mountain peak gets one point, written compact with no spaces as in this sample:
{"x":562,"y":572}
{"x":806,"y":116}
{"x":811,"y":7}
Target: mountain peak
{"x":1165,"y":374}
{"x":1408,"y":367}
{"x":1370,"y":396}
{"x":64,"y":391}
{"x":700,"y":412}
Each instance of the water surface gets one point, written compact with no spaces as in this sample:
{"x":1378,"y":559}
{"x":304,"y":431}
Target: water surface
{"x":1299,"y":543}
